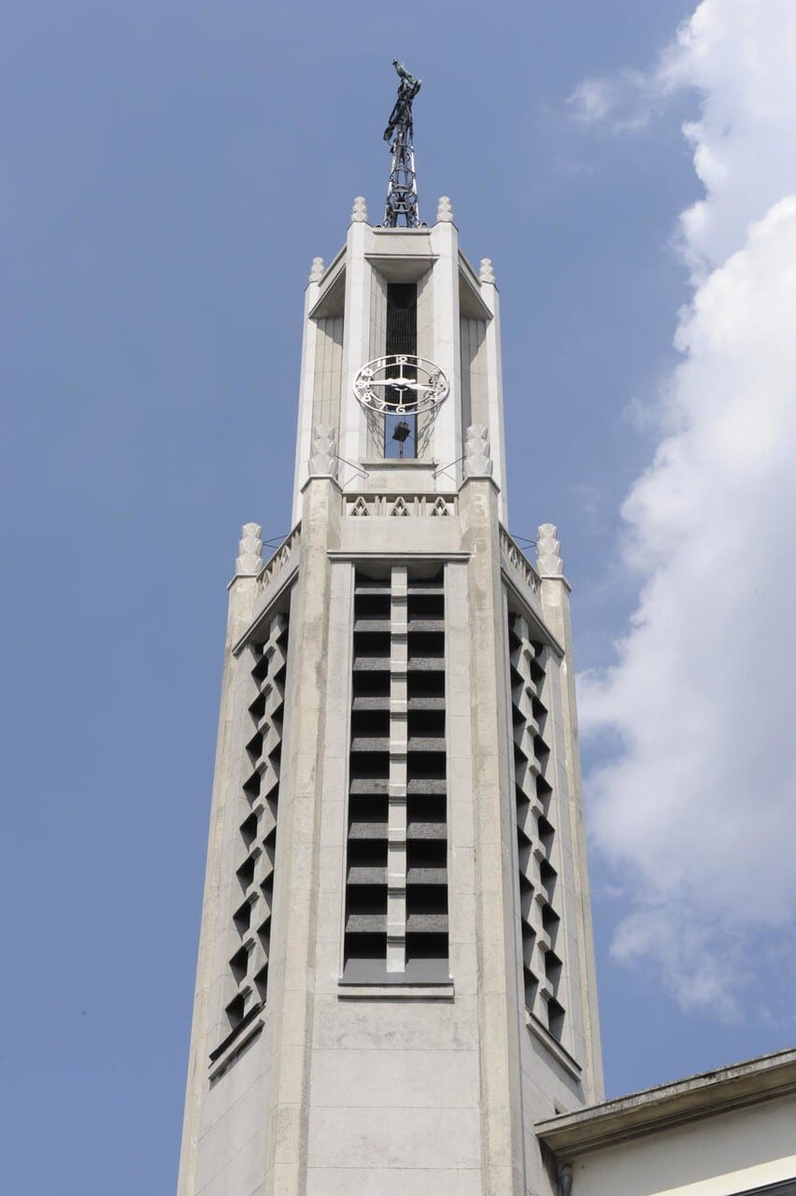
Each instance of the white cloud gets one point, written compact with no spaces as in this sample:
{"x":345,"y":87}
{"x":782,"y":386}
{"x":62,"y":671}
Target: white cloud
{"x":624,"y":103}
{"x":698,"y":808}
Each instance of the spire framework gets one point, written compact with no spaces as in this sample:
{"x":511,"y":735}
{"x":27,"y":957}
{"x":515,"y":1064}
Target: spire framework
{"x":401,"y":209}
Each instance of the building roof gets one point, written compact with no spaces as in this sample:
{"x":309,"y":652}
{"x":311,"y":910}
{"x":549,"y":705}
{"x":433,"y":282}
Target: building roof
{"x":707,"y":1094}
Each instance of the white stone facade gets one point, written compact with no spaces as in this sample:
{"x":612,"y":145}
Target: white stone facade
{"x":458,"y":328}
{"x":307,"y":1075}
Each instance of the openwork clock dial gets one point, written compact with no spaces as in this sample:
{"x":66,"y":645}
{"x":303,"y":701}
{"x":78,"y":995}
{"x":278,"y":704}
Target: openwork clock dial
{"x":400,"y":384}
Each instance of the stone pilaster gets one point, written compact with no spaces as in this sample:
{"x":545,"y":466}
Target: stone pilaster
{"x":498,"y":997}
{"x":555,"y":591}
{"x":307,"y":384}
{"x":399,"y":734}
{"x":297,"y":870}
{"x":356,"y":347}
{"x":242,"y":595}
{"x":448,"y":431}
{"x":494,"y":373}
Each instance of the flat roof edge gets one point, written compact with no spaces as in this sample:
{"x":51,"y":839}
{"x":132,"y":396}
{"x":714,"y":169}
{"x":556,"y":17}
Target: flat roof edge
{"x":707,"y":1094}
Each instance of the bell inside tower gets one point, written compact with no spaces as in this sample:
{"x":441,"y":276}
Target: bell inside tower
{"x":400,"y":428}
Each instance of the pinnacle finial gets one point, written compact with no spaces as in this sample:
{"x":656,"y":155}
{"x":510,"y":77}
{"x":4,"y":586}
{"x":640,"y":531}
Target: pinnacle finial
{"x":548,"y":551}
{"x":444,"y":210}
{"x":401,"y":206}
{"x":323,"y":458}
{"x":487,"y":273}
{"x":477,"y":452}
{"x":250,"y":551}
{"x":359,"y":213}
{"x":316,"y":269}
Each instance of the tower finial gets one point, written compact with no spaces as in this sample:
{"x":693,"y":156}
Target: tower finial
{"x":401,"y":206}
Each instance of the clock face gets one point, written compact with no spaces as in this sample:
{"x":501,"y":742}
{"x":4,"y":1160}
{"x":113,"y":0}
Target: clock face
{"x":400,"y":384}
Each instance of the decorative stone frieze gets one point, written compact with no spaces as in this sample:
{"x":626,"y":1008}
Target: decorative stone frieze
{"x":360,"y":505}
{"x":548,"y":551}
{"x":323,"y":460}
{"x":487,"y":272}
{"x":359,"y":213}
{"x":477,"y":456}
{"x":250,"y":551}
{"x":444,"y":210}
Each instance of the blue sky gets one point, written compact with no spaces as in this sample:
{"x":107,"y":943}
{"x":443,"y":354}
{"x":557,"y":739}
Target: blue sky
{"x":169,"y":172}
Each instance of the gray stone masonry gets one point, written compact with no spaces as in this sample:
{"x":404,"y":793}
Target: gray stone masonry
{"x":315,"y":1068}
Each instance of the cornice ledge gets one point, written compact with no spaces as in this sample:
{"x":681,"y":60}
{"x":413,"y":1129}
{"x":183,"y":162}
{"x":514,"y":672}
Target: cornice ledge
{"x":653,"y":1109}
{"x":322,"y":477}
{"x":479,"y":477}
{"x":556,"y":577}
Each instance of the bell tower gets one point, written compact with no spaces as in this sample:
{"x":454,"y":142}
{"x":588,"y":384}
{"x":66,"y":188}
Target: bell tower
{"x":395,"y":979}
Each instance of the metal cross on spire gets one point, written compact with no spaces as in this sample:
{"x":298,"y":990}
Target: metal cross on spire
{"x":401,"y":206}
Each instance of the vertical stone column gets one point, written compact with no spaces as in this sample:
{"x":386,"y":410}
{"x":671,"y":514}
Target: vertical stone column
{"x":494,"y":378}
{"x":555,"y":591}
{"x":447,"y":436}
{"x":298,"y":844}
{"x":356,"y":344}
{"x":495,"y":832}
{"x":242,"y":595}
{"x":396,"y":826}
{"x":307,"y":385}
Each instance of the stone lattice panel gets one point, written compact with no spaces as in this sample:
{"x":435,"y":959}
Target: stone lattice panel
{"x":539,"y":916}
{"x":267,"y":664}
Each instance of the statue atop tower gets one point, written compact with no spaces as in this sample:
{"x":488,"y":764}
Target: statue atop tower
{"x":401,"y":206}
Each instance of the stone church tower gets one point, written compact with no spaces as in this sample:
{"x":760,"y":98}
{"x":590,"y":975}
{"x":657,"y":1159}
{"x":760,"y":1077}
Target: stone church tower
{"x":395,"y":978}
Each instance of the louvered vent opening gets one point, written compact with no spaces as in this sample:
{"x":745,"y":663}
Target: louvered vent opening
{"x":258,"y":827}
{"x":426,"y":777}
{"x":369,"y":769}
{"x":396,"y":911}
{"x":540,"y":920}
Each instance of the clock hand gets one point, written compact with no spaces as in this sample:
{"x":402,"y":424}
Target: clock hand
{"x":399,"y":383}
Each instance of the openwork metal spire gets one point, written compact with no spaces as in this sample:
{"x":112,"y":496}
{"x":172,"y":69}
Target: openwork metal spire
{"x":401,"y":207}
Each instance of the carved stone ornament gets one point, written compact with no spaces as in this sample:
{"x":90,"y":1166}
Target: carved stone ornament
{"x":316,"y":269}
{"x":477,"y":455}
{"x":444,"y":210}
{"x":548,"y":552}
{"x":250,"y":551}
{"x":400,"y":384}
{"x":487,"y":273}
{"x":359,"y":214}
{"x":323,"y":459}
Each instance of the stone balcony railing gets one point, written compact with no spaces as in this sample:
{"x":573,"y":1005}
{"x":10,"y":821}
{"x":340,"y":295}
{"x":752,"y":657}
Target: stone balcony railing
{"x":517,"y":566}
{"x":286,"y":552}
